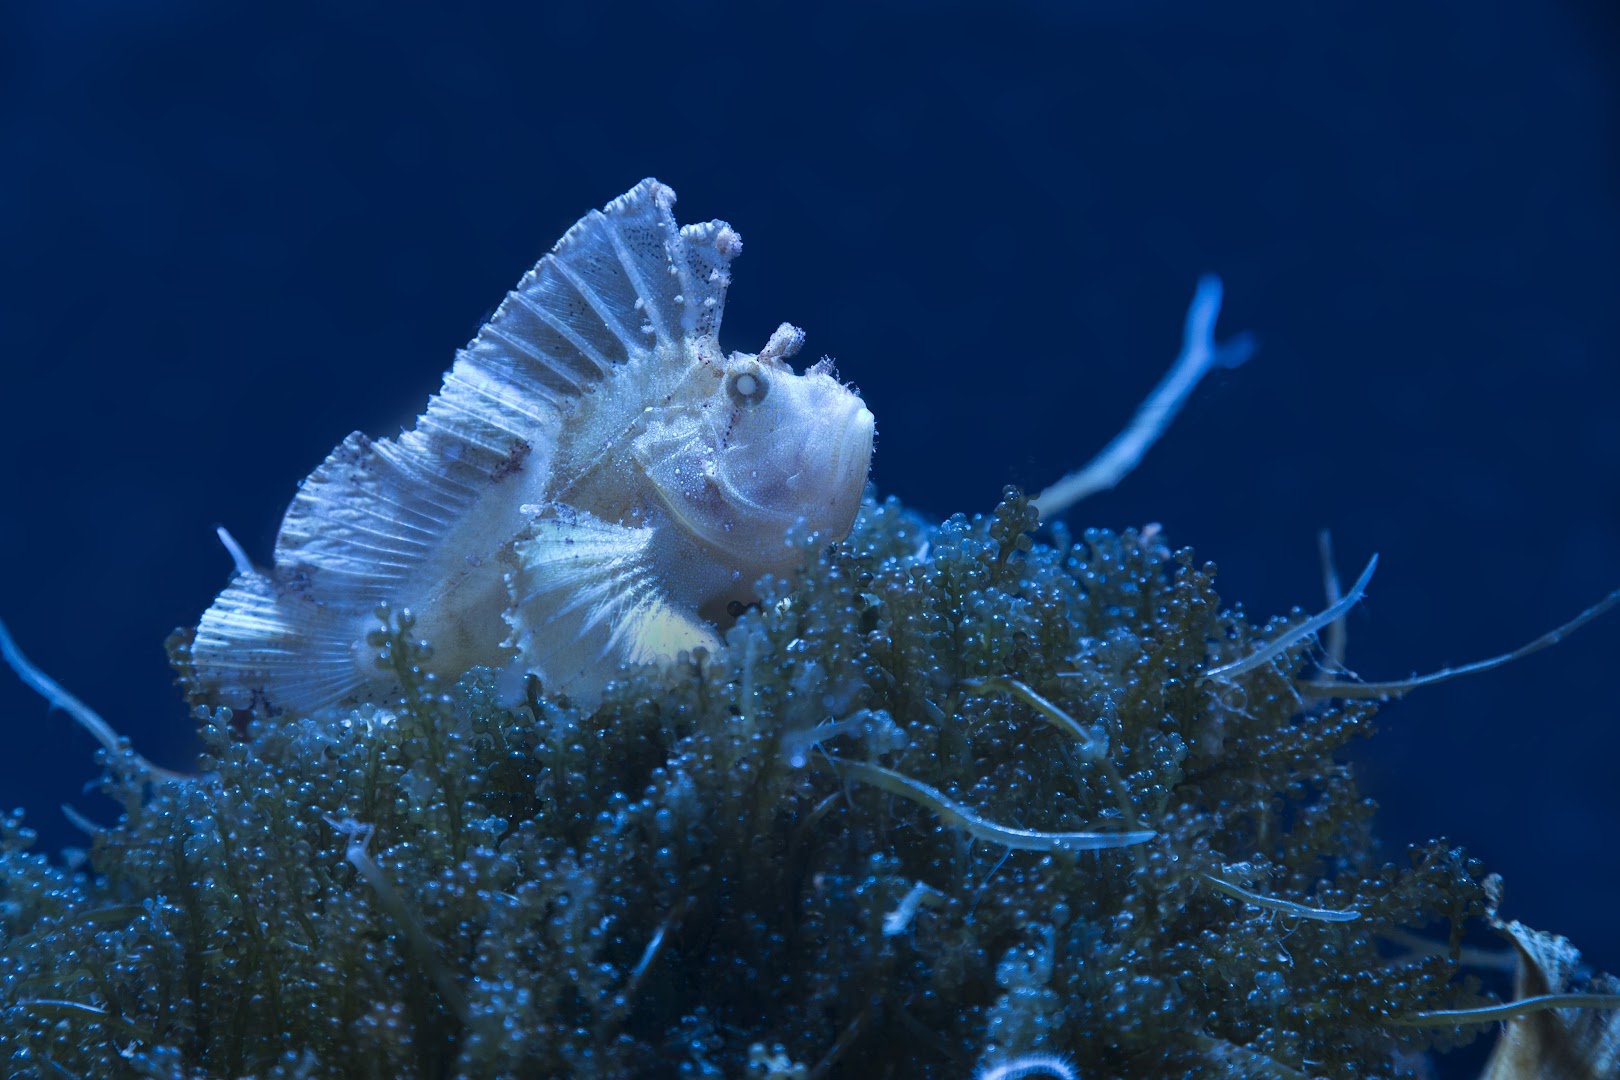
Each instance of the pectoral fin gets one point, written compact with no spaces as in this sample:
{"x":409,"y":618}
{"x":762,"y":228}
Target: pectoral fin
{"x":586,"y":598}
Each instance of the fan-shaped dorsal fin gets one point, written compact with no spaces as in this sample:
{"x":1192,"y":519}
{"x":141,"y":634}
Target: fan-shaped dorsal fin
{"x":625,"y":298}
{"x":624,"y":283}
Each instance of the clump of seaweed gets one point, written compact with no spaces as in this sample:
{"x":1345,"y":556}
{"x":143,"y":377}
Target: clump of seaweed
{"x":955,"y":804}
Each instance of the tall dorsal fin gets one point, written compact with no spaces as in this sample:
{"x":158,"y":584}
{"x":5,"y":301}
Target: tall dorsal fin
{"x":626,"y":290}
{"x":624,"y":283}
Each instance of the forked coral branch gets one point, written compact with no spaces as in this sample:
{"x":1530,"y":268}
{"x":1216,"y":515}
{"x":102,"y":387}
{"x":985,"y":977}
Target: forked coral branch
{"x":1200,"y":354}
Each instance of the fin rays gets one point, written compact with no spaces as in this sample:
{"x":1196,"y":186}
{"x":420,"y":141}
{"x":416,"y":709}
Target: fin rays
{"x":584,"y":594}
{"x":379,"y":521}
{"x":257,"y":650}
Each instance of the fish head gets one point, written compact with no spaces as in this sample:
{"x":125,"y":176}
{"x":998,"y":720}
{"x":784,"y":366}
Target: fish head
{"x":797,"y":447}
{"x":767,"y":452}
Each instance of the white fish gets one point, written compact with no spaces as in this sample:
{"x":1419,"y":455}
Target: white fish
{"x":597,"y":482}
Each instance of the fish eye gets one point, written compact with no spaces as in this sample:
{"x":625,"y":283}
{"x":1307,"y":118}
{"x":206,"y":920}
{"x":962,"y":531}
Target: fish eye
{"x":748,"y":387}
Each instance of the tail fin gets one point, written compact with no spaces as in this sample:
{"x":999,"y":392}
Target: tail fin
{"x":268,"y":651}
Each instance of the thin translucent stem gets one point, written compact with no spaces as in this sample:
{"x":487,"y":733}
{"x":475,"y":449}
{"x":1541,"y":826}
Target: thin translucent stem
{"x":1511,"y":1010}
{"x":1336,"y":639}
{"x":82,"y":714}
{"x":359,"y":836}
{"x":1330,"y":688}
{"x":1272,"y":903}
{"x":1091,"y":748}
{"x":1304,"y":630}
{"x":954,"y":813}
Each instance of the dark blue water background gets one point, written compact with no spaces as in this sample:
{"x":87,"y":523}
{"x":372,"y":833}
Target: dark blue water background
{"x":229,"y":234}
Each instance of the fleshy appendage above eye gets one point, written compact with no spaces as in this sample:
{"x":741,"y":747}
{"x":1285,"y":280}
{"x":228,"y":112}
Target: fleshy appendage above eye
{"x":749,"y":385}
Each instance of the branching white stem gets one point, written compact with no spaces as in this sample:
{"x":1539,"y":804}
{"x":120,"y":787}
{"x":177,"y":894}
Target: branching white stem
{"x":1200,"y":354}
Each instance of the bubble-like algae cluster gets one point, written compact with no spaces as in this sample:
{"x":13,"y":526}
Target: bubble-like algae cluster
{"x":722,"y":870}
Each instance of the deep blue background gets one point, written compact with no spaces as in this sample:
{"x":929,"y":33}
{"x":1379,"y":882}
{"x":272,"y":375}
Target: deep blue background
{"x":227,"y":239}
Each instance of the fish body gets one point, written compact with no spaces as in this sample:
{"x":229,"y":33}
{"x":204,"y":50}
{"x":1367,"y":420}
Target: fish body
{"x":596,"y":482}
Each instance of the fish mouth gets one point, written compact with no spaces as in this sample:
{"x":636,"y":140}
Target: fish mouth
{"x":853,"y":455}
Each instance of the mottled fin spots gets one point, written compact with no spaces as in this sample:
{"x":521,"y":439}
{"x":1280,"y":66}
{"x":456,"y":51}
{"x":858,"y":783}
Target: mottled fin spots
{"x":513,"y":462}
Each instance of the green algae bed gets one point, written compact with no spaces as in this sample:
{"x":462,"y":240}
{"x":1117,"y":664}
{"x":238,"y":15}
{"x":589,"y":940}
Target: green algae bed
{"x":953,"y":802}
